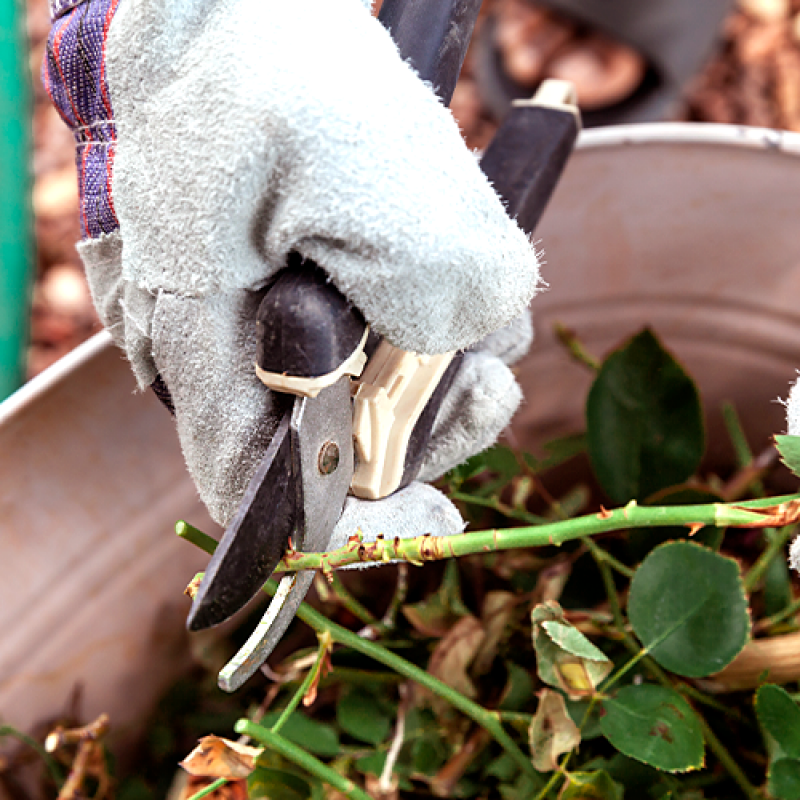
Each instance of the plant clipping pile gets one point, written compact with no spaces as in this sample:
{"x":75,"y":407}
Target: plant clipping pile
{"x":629,"y":630}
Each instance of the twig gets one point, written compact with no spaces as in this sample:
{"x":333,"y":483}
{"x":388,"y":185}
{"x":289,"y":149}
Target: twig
{"x":575,"y":347}
{"x":88,"y":759}
{"x":445,"y":780}
{"x":497,"y":505}
{"x":385,"y":781}
{"x":774,"y":548}
{"x":325,"y":643}
{"x":389,"y":620}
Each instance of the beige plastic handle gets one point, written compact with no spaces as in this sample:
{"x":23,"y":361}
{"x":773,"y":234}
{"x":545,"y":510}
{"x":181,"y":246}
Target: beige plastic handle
{"x":389,"y":398}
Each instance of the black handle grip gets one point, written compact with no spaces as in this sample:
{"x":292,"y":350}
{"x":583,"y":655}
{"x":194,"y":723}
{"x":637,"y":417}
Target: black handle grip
{"x":433,"y":35}
{"x":527,"y":155}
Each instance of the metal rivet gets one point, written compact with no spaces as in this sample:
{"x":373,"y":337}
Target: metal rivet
{"x":328,"y":458}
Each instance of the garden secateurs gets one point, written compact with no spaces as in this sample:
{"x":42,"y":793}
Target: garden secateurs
{"x":363,"y":410}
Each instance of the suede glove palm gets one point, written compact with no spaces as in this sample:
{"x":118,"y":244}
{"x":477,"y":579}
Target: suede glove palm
{"x":215,"y":137}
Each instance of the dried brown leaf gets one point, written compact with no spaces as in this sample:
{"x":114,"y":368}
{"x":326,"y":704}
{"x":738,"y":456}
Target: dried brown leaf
{"x":452,"y":656}
{"x":552,"y":731}
{"x":215,"y":757}
{"x":498,"y":609}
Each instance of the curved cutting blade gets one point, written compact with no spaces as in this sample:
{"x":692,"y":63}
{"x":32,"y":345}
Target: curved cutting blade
{"x":299,"y":489}
{"x":256,"y":538}
{"x":321,"y":432}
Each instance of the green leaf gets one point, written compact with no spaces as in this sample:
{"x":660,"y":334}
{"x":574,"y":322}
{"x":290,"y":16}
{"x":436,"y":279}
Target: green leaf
{"x":428,"y":754}
{"x":783,"y":780}
{"x":276,"y":784}
{"x":777,"y":587}
{"x":518,"y":689}
{"x":504,"y":768}
{"x":688,"y":607}
{"x":779,"y":716}
{"x":371,"y":764}
{"x":565,"y":658}
{"x":644,"y":421}
{"x":558,"y":451}
{"x":591,"y":786}
{"x":573,"y":641}
{"x":587,"y":717}
{"x":654,"y":725}
{"x":316,"y":737}
{"x":789,"y":450}
{"x":360,"y":716}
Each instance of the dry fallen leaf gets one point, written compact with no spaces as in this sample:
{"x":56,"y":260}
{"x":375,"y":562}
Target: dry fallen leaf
{"x":215,"y":757}
{"x":454,"y":653}
{"x":552,"y":731}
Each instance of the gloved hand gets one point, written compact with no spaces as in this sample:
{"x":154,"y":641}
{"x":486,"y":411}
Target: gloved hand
{"x":218,"y":136}
{"x":793,"y":429}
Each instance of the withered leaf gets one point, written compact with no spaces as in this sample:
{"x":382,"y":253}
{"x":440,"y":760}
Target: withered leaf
{"x":565,"y":658}
{"x":552,"y":731}
{"x":452,"y":656}
{"x":215,"y":757}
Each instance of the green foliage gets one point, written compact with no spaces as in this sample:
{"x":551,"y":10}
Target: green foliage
{"x":789,"y":449}
{"x":276,"y":784}
{"x":318,"y":738}
{"x":562,"y":671}
{"x":591,"y":786}
{"x":655,"y":725}
{"x":688,"y":608}
{"x":644,"y":421}
{"x":360,"y":715}
{"x":779,"y":717}
{"x":565,"y":658}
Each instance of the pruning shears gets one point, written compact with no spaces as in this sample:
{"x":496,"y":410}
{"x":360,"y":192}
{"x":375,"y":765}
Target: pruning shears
{"x":359,"y":410}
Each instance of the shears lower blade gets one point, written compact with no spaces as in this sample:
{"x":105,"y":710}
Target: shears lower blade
{"x":297,"y":491}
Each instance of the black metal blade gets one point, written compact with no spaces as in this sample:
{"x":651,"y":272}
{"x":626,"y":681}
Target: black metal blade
{"x":256,"y":538}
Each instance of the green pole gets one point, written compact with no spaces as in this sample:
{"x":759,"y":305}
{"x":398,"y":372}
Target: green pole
{"x":16,"y":237}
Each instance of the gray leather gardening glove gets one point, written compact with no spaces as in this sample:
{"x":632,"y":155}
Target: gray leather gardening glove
{"x":793,"y":429}
{"x":220,"y":136}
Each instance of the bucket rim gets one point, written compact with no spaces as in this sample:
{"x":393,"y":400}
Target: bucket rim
{"x":51,"y":377}
{"x":705,"y":133}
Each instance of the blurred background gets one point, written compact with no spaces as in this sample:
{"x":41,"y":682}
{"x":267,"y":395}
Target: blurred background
{"x":751,"y":75}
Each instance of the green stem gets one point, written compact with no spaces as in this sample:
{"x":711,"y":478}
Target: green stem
{"x":777,"y":542}
{"x":575,"y":347}
{"x":494,"y":504}
{"x":744,"y":455}
{"x":515,"y":716}
{"x":361,"y":613}
{"x":699,"y":697}
{"x":486,"y":719}
{"x":725,"y":758}
{"x":196,"y":537}
{"x":302,"y":758}
{"x":775,"y":619}
{"x":554,"y":778}
{"x":210,"y":789}
{"x":52,"y":765}
{"x":313,"y":673}
{"x":432,"y":548}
